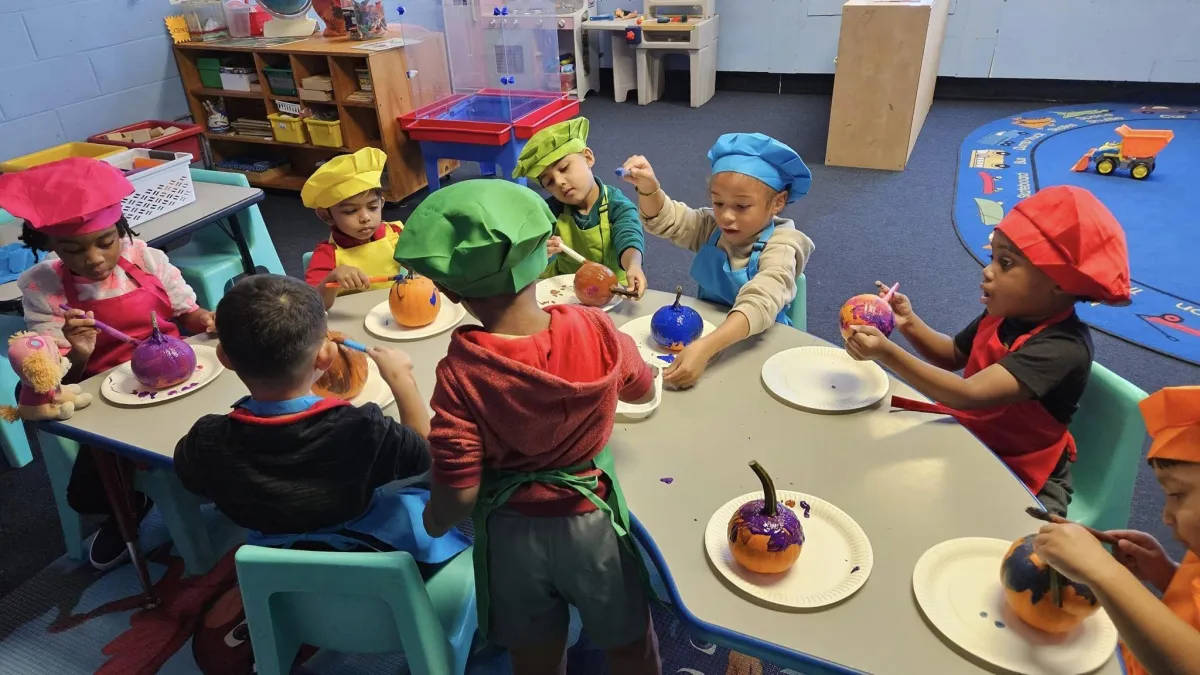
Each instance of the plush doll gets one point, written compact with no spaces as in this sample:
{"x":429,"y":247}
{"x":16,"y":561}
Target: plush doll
{"x":41,"y":367}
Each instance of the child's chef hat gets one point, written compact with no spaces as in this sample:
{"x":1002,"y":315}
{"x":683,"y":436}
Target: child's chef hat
{"x":67,"y":198}
{"x":343,"y":177}
{"x":478,"y":238}
{"x":1173,"y":419}
{"x":762,"y":157}
{"x":1068,"y":234}
{"x":551,"y":144}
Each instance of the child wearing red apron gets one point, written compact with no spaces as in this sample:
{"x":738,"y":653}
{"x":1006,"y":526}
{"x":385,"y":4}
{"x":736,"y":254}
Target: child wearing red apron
{"x":346,"y":194}
{"x":73,"y":208}
{"x":1157,"y":636}
{"x":1026,"y":359}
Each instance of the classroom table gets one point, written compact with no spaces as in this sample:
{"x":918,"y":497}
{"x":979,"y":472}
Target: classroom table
{"x":213,"y":202}
{"x":910,"y":480}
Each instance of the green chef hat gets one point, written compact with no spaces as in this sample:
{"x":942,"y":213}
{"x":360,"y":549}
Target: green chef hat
{"x":478,"y":238}
{"x":550,"y":145}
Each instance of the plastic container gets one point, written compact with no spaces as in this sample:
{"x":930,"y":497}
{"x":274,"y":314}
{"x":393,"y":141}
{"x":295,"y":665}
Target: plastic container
{"x":238,"y":79}
{"x":281,"y":81}
{"x":237,"y":15}
{"x":205,"y":19}
{"x":157,"y":190}
{"x":56,"y":153}
{"x":187,"y":140}
{"x":323,"y":133}
{"x":258,"y":18}
{"x":288,"y":129}
{"x":210,"y":72}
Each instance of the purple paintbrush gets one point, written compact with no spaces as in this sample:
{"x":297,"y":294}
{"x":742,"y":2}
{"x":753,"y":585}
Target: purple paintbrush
{"x":105,"y":327}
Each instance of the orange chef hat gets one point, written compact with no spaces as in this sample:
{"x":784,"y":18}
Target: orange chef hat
{"x":1173,"y":419}
{"x":1068,"y":234}
{"x":67,"y":198}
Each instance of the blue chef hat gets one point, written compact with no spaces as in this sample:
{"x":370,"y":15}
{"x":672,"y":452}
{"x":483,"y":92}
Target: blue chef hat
{"x":762,"y":157}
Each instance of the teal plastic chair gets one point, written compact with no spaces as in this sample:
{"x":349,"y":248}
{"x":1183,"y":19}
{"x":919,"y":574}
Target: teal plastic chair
{"x":12,"y":435}
{"x":304,"y":260}
{"x":357,"y":603}
{"x":211,"y":261}
{"x":798,"y":312}
{"x":1110,"y":434}
{"x":180,"y":509}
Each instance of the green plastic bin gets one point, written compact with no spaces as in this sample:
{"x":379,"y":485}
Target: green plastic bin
{"x":281,"y":81}
{"x":210,"y":72}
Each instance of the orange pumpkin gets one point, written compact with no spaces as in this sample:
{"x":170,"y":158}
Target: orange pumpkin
{"x":764,"y":535}
{"x":414,"y":301}
{"x":347,"y":376}
{"x":1028,"y":590}
{"x":594,"y":283}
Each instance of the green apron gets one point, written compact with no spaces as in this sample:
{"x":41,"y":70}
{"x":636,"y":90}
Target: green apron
{"x":498,"y":486}
{"x":594,"y":243}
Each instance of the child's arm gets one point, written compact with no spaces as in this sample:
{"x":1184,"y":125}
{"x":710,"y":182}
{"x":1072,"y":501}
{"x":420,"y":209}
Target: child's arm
{"x":628,"y":240}
{"x":395,"y":367}
{"x":674,"y":221}
{"x":637,"y":376}
{"x":192,"y":318}
{"x":1161,"y":641}
{"x":457,"y":458}
{"x":937,"y":348}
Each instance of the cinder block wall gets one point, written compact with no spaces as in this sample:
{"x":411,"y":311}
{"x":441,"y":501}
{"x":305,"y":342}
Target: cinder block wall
{"x":72,"y":68}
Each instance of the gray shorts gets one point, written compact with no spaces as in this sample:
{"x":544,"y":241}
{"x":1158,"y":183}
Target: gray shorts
{"x":539,"y":566}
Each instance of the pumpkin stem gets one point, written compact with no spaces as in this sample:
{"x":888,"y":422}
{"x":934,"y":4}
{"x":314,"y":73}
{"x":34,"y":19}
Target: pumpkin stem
{"x":154,"y":321}
{"x":678,"y":294}
{"x":409,"y":276}
{"x":770,"y":506}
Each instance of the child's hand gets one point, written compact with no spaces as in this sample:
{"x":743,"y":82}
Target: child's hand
{"x":554,"y":245}
{"x":395,"y":366}
{"x":199,"y":321}
{"x":639,"y":172}
{"x":637,"y":280}
{"x":349,"y":278}
{"x":79,"y":329}
{"x":1072,"y":550}
{"x":1143,"y":555}
{"x":688,"y":365}
{"x":901,"y":307}
{"x":866,"y":343}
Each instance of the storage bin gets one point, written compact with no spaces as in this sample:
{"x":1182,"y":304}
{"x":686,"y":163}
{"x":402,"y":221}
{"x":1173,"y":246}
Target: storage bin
{"x":56,"y":153}
{"x":287,"y":129}
{"x":158,"y":189}
{"x":281,"y":81}
{"x":186,"y":140}
{"x":210,"y":72}
{"x":323,"y":133}
{"x":237,"y":15}
{"x":238,"y":79}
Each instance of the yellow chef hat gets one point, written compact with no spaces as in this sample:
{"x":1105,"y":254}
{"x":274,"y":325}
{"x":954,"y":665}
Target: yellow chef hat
{"x":343,"y":177}
{"x":550,"y":145}
{"x":1173,"y":420}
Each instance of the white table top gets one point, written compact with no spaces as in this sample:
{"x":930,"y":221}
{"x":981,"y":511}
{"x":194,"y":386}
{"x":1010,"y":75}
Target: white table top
{"x":213,"y":202}
{"x":910,"y":480}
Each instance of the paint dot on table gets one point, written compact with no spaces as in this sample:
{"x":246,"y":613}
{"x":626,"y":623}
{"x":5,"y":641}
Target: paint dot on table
{"x":668,"y":480}
{"x":983,"y":615}
{"x":1000,"y":624}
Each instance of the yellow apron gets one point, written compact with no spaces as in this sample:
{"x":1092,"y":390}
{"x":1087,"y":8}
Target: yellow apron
{"x":374,"y":258}
{"x":595,"y":243}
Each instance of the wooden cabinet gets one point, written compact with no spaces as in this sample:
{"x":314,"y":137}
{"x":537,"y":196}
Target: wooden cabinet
{"x":363,"y":123}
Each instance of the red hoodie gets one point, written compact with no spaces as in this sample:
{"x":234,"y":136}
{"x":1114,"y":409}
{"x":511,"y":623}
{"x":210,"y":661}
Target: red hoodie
{"x":545,"y":401}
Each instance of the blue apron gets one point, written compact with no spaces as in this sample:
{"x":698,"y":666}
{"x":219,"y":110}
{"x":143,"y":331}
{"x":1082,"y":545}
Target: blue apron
{"x":719,"y":283}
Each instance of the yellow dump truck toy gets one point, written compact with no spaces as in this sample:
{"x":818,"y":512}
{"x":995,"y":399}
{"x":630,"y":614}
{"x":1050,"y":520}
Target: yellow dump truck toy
{"x":1135,"y":151}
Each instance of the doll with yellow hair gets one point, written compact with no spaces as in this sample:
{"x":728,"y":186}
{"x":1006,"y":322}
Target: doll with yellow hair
{"x":41,"y":367}
{"x":346,"y":192}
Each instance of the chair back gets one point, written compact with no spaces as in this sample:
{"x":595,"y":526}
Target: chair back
{"x":798,"y":312}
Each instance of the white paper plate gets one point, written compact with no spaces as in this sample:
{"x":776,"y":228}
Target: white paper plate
{"x":122,"y":388}
{"x":375,"y":390}
{"x":957,"y":585}
{"x":379,"y":322}
{"x":639,"y":330}
{"x":834,"y":563}
{"x":638,"y":411}
{"x":824,"y":379}
{"x":560,"y":290}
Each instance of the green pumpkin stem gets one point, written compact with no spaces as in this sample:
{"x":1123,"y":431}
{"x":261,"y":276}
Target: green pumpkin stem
{"x":770,"y":504}
{"x":678,"y":294}
{"x":1056,"y":588}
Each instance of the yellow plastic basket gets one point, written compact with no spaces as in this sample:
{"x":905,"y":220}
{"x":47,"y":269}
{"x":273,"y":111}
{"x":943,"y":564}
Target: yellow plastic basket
{"x":323,"y":133}
{"x":287,"y":129}
{"x":93,"y":150}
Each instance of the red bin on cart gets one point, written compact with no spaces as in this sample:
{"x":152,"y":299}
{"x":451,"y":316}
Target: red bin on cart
{"x":186,"y":140}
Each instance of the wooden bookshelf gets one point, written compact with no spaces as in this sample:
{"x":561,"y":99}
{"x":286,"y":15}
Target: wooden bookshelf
{"x":363,"y":123}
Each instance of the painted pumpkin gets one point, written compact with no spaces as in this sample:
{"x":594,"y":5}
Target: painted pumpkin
{"x":764,"y":535}
{"x":867,"y":310}
{"x":414,"y":301}
{"x":162,"y":361}
{"x":676,"y":326}
{"x":594,"y":283}
{"x":347,"y":376}
{"x":1027,"y":590}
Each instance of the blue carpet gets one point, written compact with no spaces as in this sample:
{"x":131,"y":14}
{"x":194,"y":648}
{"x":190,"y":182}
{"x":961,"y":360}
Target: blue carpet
{"x":1009,"y":159}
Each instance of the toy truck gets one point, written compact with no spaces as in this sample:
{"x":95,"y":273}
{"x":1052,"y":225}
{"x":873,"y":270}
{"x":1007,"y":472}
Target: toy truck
{"x":1135,"y":151}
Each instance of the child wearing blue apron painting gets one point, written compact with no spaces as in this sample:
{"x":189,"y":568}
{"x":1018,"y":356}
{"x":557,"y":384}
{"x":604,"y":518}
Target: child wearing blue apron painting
{"x":298,"y":470}
{"x":596,"y":220}
{"x":747,"y":256}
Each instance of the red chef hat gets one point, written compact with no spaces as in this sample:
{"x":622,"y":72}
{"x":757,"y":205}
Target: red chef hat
{"x":1068,"y":234}
{"x":67,"y":198}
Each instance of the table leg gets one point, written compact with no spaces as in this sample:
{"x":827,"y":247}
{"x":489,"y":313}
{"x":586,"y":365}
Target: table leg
{"x":624,"y":66}
{"x":431,"y":172}
{"x":119,"y":491}
{"x":239,"y":238}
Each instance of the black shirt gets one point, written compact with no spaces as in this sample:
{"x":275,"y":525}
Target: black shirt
{"x":318,"y":471}
{"x":1054,"y":364}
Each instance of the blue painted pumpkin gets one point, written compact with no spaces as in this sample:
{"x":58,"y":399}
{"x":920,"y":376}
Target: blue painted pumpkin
{"x":1026,"y":581}
{"x":676,"y":326}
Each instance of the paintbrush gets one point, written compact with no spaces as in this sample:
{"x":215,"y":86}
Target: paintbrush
{"x":887,"y":297}
{"x":350,"y":344}
{"x":1046,"y":516}
{"x":100,"y":325}
{"x":573,"y":254}
{"x":371,"y":280}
